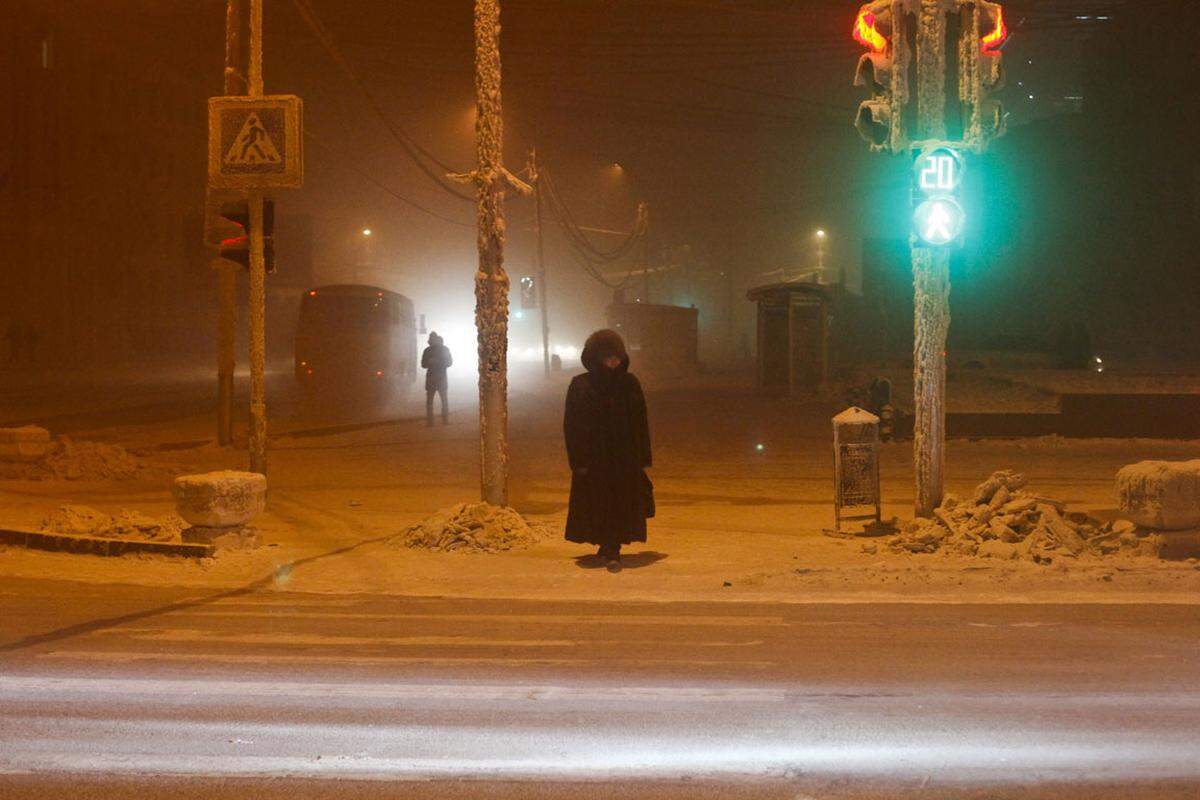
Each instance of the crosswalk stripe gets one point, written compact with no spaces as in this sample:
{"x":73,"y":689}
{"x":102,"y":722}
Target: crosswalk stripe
{"x":352,"y":660}
{"x":23,"y":687}
{"x":297,"y":639}
{"x":544,"y":619}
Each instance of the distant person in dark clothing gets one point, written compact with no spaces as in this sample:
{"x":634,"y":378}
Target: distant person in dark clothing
{"x":608,"y":447}
{"x":435,"y":361}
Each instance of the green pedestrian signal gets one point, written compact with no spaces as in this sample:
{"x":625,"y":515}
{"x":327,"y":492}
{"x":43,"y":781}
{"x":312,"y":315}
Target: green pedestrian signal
{"x":939,"y":222}
{"x":938,"y":218}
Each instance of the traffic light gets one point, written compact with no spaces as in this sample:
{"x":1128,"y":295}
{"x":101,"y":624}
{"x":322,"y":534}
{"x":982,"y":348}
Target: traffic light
{"x":236,"y":248}
{"x":938,"y":216}
{"x":987,"y":113}
{"x":528,"y":292}
{"x":883,"y":72}
{"x":975,"y":35}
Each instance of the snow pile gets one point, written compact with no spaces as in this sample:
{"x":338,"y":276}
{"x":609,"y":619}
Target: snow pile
{"x":90,"y":461}
{"x":69,"y":460}
{"x":86,"y":521}
{"x":1002,"y":520}
{"x":1161,"y":494}
{"x":477,"y":527}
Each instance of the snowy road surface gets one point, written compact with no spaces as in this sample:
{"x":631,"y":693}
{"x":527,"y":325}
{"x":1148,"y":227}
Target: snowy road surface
{"x":118,"y":686}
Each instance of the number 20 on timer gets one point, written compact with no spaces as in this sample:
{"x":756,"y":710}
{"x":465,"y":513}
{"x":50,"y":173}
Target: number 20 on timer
{"x":938,"y":171}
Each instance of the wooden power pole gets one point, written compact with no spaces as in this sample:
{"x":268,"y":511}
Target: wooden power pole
{"x":539,"y":232}
{"x":491,"y":280}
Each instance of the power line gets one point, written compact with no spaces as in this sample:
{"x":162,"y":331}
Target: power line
{"x":576,"y":234}
{"x":413,"y":148}
{"x":379,"y":184}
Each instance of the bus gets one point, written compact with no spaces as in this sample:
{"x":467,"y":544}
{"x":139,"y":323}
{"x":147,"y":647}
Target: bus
{"x":354,"y":339}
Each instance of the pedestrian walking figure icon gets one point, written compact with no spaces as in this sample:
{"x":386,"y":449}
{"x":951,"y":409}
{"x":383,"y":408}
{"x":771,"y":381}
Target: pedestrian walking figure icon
{"x":255,"y":142}
{"x":253,"y":145}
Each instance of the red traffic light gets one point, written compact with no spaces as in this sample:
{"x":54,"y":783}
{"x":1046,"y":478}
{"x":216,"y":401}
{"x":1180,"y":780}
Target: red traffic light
{"x":867,"y":33}
{"x":237,"y":248}
{"x":995,"y":40}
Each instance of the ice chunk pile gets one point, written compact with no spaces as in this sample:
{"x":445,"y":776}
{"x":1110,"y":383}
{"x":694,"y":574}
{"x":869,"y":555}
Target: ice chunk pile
{"x":479,"y":527}
{"x":86,"y":521}
{"x":1003,"y":520}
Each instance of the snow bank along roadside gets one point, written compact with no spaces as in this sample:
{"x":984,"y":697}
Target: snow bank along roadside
{"x":29,"y":454}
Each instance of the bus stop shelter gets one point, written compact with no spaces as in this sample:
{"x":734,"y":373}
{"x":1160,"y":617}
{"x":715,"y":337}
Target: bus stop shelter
{"x":793,"y":338}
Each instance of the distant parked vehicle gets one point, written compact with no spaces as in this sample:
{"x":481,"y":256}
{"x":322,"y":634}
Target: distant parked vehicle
{"x":355,"y":340}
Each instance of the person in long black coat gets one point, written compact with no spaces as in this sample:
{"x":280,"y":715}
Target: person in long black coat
{"x":608,"y":446}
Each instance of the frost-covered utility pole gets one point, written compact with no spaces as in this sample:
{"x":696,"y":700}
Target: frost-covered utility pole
{"x":491,"y":281}
{"x":258,"y":274}
{"x":235,"y":84}
{"x":539,"y":234}
{"x":931,"y":280}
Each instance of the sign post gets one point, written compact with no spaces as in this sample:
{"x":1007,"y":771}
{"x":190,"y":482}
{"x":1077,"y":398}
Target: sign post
{"x":255,"y":144}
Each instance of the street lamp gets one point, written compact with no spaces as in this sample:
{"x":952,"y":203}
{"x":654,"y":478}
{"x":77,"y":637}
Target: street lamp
{"x":821,"y":254}
{"x":367,"y":254}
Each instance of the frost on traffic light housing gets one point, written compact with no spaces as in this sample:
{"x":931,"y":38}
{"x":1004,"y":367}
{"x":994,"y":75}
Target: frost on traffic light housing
{"x":236,"y":247}
{"x":528,"y":292}
{"x":980,"y":85}
{"x":883,"y":72}
{"x":938,"y":216}
{"x":970,"y":52}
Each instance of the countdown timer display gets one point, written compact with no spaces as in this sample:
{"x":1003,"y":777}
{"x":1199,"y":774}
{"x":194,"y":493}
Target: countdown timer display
{"x":938,"y":171}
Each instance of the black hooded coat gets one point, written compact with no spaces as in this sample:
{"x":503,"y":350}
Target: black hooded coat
{"x":436,"y":360}
{"x":608,"y":446}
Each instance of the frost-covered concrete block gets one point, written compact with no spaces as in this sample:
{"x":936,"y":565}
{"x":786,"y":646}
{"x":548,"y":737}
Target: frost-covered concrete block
{"x":1164,"y":495}
{"x":24,"y":444}
{"x":220,"y":499}
{"x":238,"y":538}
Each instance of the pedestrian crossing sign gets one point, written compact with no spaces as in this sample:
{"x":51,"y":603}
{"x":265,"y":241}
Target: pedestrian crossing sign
{"x":255,"y":142}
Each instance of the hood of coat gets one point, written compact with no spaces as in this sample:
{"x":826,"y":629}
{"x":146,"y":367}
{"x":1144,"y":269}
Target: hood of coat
{"x":434,"y":339}
{"x":599,"y":346}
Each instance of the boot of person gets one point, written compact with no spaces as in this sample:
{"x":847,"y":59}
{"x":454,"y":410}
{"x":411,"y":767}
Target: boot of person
{"x":611,"y":555}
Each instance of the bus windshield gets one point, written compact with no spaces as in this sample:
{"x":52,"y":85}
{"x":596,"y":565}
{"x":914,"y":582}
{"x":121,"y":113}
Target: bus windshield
{"x":362,"y":312}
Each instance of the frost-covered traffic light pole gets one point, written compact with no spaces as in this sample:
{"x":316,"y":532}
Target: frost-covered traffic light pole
{"x":254,"y":147}
{"x":931,"y":69}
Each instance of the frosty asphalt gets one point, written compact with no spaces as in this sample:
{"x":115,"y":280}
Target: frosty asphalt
{"x":118,"y":684}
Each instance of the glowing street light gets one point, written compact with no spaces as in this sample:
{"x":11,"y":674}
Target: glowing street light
{"x":821,"y":254}
{"x":366,"y":231}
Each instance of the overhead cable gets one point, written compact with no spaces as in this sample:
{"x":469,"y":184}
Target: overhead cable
{"x":410,"y":146}
{"x":379,"y":184}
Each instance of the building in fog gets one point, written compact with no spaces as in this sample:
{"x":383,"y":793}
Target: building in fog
{"x":102,"y":148}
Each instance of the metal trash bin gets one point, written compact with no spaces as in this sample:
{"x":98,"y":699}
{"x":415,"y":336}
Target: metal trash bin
{"x":856,"y":465}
